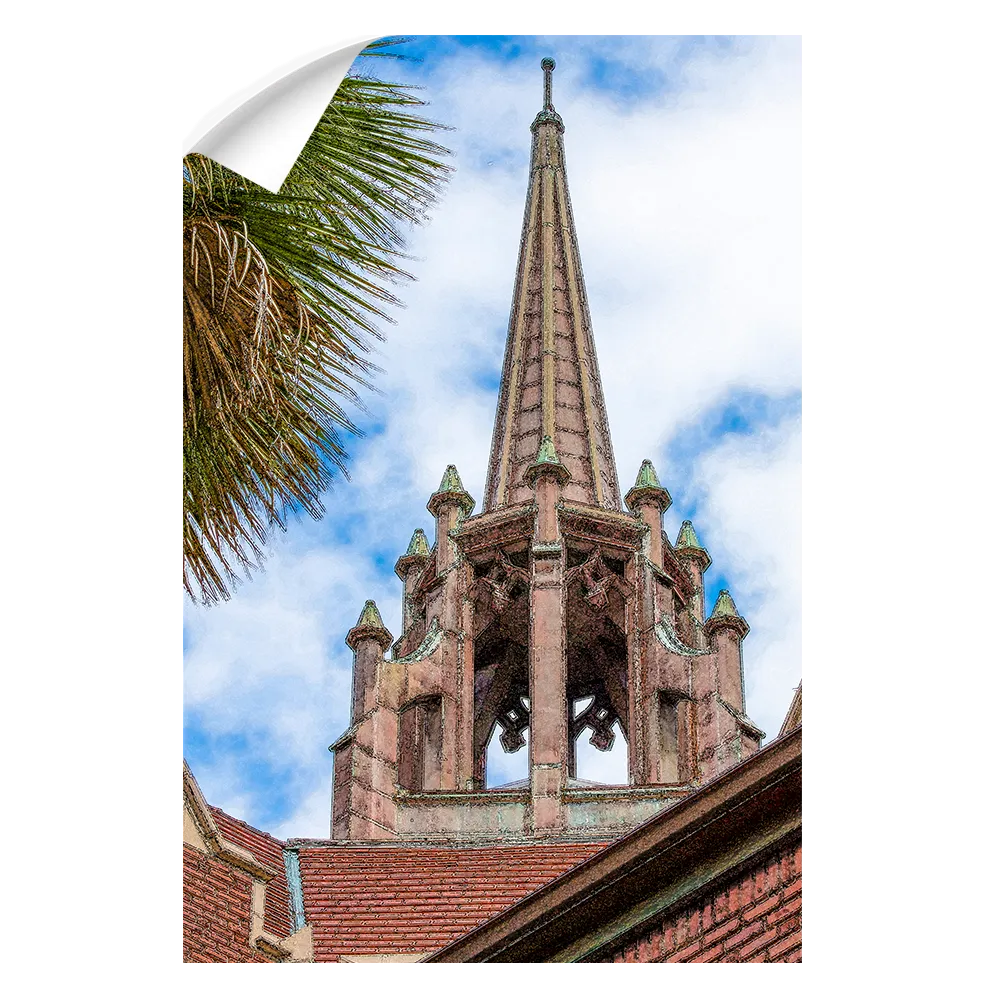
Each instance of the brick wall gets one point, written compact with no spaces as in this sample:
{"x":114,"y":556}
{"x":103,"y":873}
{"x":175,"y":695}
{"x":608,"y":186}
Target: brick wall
{"x":217,"y":903}
{"x":756,"y":917}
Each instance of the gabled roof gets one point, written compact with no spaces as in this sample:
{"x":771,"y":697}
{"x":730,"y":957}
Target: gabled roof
{"x":252,"y":882}
{"x":369,"y":899}
{"x":793,"y":717}
{"x":268,"y":851}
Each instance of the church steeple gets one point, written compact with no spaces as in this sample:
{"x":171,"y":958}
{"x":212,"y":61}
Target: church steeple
{"x":550,"y":385}
{"x":552,"y":612}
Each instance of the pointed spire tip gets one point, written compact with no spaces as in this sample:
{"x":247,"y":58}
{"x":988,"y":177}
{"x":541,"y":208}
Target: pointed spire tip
{"x":547,"y":450}
{"x":647,"y":489}
{"x":451,"y":490}
{"x":687,"y":538}
{"x":725,"y":606}
{"x":370,"y":626}
{"x":548,"y":65}
{"x":725,"y":616}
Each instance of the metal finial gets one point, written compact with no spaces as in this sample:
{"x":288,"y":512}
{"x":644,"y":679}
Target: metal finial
{"x":548,"y":65}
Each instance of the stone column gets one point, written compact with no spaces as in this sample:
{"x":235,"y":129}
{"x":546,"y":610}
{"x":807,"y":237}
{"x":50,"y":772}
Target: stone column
{"x":369,"y":639}
{"x":364,"y":764}
{"x":450,"y":505}
{"x":696,"y":560}
{"x":409,"y":568}
{"x":549,"y":742}
{"x":726,"y":630}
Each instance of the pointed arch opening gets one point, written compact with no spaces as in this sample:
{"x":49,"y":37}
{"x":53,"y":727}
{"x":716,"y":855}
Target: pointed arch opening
{"x":596,"y":661}
{"x":502,"y":711}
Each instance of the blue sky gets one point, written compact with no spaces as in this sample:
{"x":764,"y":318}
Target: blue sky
{"x":683,"y":163}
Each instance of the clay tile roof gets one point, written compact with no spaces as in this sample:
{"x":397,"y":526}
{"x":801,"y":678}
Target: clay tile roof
{"x":408,"y":899}
{"x":268,"y":851}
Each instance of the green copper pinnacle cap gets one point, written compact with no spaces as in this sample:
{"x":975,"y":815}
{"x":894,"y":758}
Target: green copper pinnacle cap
{"x":724,"y":606}
{"x":370,"y":618}
{"x":689,"y":546}
{"x":647,"y":476}
{"x":647,"y":489}
{"x":418,"y":544}
{"x":547,"y":460}
{"x":687,"y":539}
{"x":451,"y":489}
{"x":725,"y":616}
{"x":369,"y":626}
{"x":450,"y":481}
{"x":547,"y":451}
{"x":417,"y":554}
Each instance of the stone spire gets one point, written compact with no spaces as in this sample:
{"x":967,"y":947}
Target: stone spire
{"x":551,"y":385}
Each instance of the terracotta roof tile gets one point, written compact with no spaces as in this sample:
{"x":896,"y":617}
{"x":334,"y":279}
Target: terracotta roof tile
{"x":369,"y":899}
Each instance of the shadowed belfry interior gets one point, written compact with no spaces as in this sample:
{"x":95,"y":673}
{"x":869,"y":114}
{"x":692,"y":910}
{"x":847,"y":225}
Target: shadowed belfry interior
{"x":555,"y":611}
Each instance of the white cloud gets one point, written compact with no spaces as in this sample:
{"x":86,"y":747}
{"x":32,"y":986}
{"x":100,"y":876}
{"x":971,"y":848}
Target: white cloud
{"x":751,"y":524}
{"x":312,"y":817}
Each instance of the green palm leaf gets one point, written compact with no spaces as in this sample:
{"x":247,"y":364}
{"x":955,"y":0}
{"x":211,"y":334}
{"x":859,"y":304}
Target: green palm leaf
{"x":283,"y":295}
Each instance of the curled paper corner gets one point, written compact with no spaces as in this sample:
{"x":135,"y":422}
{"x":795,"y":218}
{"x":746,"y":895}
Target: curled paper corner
{"x":261,"y":136}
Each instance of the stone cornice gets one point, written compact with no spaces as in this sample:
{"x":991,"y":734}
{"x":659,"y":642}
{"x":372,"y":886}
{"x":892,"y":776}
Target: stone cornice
{"x":600,"y":524}
{"x":404,"y":562}
{"x":496,"y":527}
{"x":232,"y":854}
{"x":736,"y":623}
{"x":743,"y":721}
{"x":641,"y":496}
{"x":699,"y":556}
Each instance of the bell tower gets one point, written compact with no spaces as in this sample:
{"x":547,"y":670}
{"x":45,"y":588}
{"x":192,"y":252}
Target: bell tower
{"x":553,"y":612}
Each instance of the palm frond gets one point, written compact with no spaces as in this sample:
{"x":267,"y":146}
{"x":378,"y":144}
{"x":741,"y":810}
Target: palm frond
{"x":283,"y":295}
